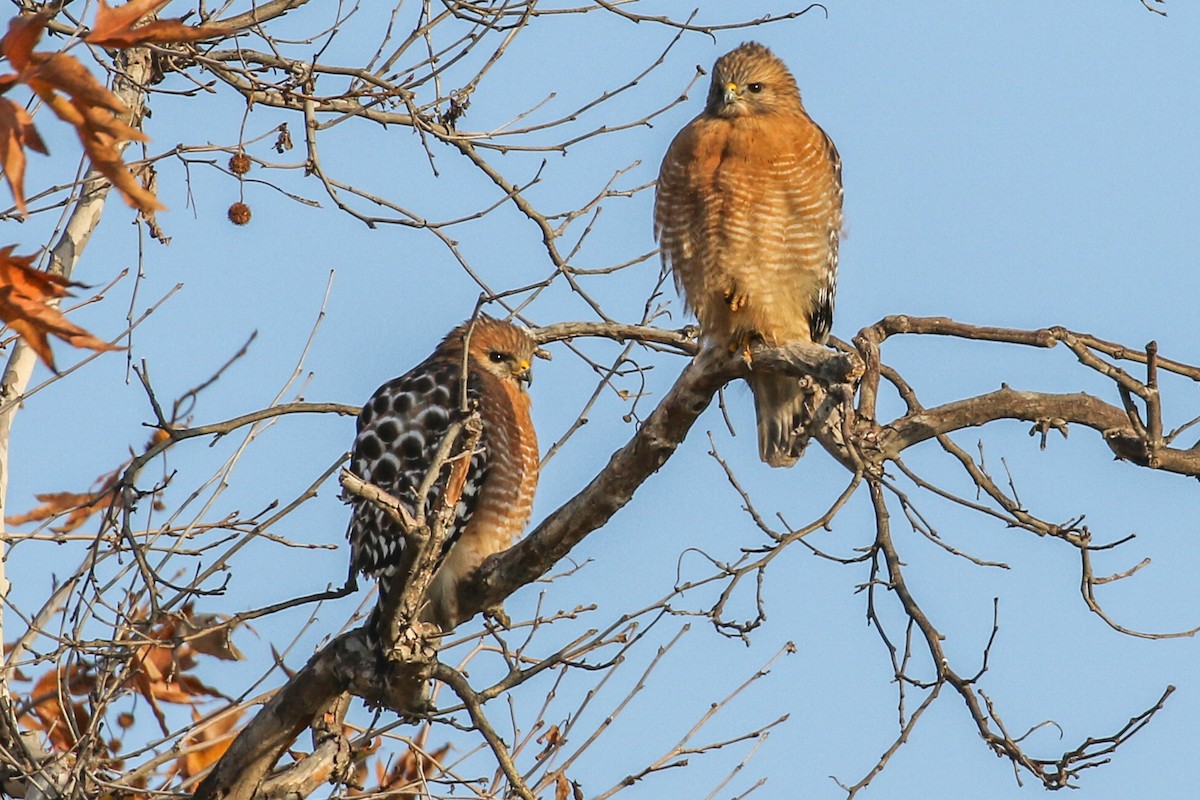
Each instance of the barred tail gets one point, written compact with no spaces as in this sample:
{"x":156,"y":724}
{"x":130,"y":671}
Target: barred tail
{"x":374,"y":634}
{"x":783,"y":418}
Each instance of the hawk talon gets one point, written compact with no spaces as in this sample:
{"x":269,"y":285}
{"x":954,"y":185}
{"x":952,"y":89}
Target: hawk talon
{"x":742,"y":347}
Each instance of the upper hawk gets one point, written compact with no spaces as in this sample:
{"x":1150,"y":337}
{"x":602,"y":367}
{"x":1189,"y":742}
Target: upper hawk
{"x":748,"y":213}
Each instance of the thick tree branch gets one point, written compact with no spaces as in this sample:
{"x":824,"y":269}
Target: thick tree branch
{"x":248,"y":762}
{"x":1038,"y":407}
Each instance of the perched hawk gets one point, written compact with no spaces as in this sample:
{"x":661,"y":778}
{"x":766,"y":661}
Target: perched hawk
{"x":399,"y":431}
{"x":748,"y":213}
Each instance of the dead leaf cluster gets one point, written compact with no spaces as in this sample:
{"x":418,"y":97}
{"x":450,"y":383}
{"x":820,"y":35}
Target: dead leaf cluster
{"x":76,"y":97}
{"x":159,"y":670}
{"x":406,"y":778}
{"x":61,"y":82}
{"x":28,"y":305}
{"x":118,"y":27}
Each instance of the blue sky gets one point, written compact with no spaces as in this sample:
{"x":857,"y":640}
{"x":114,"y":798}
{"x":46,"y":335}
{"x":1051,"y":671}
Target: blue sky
{"x":1019,"y":164}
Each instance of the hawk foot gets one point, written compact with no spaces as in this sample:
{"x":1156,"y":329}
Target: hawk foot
{"x":742,"y":344}
{"x":735,"y":300}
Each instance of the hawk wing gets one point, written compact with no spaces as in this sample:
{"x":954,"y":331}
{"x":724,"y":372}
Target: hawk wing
{"x":399,"y":432}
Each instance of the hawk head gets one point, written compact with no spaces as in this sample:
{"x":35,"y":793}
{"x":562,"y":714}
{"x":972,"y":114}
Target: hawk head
{"x":496,"y":347}
{"x":752,"y":80}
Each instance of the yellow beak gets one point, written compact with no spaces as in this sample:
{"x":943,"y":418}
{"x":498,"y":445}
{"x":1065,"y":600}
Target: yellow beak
{"x":731,"y":92}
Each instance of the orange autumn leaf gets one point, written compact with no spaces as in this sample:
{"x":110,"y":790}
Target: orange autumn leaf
{"x":23,"y":34}
{"x":89,"y":107}
{"x":112,"y":21}
{"x":25,"y":296}
{"x":552,"y":738}
{"x":50,"y":71}
{"x":92,"y":110}
{"x":213,"y":740}
{"x":100,"y":135}
{"x":159,"y":671}
{"x":412,"y":769}
{"x":408,"y":775}
{"x":16,"y":126}
{"x":53,"y":504}
{"x":184,"y":690}
{"x":17,"y":133}
{"x":217,"y":641}
{"x":47,"y":713}
{"x":114,"y":27}
{"x":81,"y":506}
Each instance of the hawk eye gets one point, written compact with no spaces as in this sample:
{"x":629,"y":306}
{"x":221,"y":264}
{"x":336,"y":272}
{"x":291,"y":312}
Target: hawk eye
{"x":496,"y":356}
{"x":754,"y":88}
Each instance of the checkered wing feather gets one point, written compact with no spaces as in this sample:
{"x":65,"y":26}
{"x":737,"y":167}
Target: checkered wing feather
{"x":399,"y":431}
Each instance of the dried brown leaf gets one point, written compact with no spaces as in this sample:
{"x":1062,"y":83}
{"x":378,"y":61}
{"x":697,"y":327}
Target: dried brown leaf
{"x":81,"y":506}
{"x":47,"y":713}
{"x":52,"y":504}
{"x":48,"y":72}
{"x":217,"y":639}
{"x":159,"y":673}
{"x":100,"y":135}
{"x":551,"y":738}
{"x":23,"y":34}
{"x":17,"y":133}
{"x":411,"y":770}
{"x":78,"y":506}
{"x":118,"y":26}
{"x":25,"y":297}
{"x":112,"y":21}
{"x":214,"y":738}
{"x":92,"y":109}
